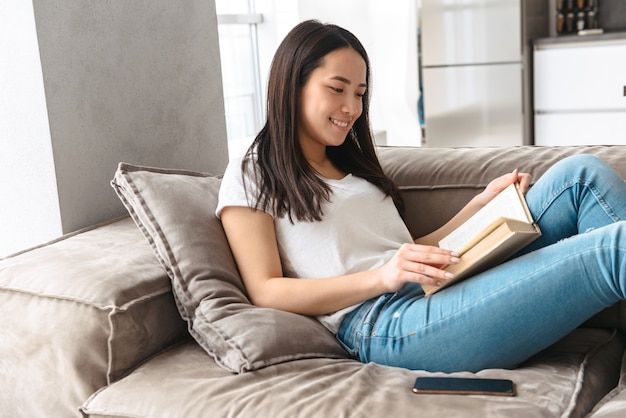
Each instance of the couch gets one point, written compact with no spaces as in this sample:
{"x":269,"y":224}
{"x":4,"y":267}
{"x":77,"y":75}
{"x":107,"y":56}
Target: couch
{"x":145,"y":316}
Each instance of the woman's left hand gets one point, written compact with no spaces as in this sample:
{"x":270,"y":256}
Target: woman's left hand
{"x":501,"y":183}
{"x":477,"y":202}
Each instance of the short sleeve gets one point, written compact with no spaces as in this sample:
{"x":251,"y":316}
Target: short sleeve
{"x":232,"y":190}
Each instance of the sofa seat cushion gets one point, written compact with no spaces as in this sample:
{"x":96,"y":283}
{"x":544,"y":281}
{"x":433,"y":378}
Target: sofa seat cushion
{"x":565,"y":380}
{"x":80,"y":313}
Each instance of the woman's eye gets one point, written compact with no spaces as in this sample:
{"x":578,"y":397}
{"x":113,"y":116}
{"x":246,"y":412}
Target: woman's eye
{"x":341,"y":90}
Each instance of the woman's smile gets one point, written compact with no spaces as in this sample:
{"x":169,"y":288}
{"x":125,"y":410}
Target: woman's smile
{"x":340,"y":123}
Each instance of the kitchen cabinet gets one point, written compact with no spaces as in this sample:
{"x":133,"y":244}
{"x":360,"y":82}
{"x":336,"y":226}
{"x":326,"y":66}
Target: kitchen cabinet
{"x":580,"y":91}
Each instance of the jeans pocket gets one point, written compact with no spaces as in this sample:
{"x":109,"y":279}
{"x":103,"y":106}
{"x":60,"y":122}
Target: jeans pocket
{"x":352,"y":345}
{"x":359,"y":323}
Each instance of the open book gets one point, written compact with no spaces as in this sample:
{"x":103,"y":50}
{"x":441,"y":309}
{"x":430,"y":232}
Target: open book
{"x":496,"y":232}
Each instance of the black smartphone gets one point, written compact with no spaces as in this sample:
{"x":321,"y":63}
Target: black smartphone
{"x":463,"y":386}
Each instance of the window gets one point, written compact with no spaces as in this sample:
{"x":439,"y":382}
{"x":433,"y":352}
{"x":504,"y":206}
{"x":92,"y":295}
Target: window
{"x":243,"y":103}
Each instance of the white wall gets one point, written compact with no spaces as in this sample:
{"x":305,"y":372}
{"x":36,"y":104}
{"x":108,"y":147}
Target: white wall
{"x":29,"y":205}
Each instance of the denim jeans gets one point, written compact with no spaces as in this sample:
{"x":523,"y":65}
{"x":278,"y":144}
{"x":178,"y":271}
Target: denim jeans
{"x":501,"y":317}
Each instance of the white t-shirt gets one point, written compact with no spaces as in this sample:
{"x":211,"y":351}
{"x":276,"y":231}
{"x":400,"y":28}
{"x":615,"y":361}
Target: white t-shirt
{"x":360,"y":230}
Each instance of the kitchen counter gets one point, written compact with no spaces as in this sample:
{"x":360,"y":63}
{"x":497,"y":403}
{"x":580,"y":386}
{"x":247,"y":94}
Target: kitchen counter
{"x":567,"y":39}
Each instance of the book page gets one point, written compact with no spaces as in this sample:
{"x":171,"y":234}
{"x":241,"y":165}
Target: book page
{"x":507,"y":204}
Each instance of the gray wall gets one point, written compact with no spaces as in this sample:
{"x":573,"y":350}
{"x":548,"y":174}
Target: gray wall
{"x":136,"y":81}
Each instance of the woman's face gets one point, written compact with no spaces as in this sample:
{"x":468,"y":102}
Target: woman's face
{"x":332,"y":99}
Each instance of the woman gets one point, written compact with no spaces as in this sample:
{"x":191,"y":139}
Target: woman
{"x":310,"y":201}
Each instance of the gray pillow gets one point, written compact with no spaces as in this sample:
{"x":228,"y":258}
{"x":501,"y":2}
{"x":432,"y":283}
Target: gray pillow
{"x":175,"y":210}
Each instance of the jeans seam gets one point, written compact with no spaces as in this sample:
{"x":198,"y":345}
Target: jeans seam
{"x":605,"y":206}
{"x":382,"y":308}
{"x":589,"y":184}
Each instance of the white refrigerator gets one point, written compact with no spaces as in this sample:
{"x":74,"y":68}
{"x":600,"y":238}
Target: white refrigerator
{"x":472,"y":69}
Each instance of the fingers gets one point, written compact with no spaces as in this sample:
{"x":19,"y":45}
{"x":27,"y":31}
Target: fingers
{"x":500,"y":183}
{"x":513,"y":177}
{"x":423,"y":263}
{"x":522,"y":178}
{"x":524,"y":181}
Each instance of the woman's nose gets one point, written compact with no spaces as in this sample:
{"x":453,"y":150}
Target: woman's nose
{"x":351,"y":106}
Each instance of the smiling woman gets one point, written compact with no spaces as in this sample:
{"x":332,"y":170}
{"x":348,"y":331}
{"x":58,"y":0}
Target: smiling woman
{"x":316,"y":228}
{"x":331,"y":101}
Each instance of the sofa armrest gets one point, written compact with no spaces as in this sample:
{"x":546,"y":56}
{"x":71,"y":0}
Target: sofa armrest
{"x":78,"y":314}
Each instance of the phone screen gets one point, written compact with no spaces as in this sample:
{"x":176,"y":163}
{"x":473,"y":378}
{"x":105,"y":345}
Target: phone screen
{"x":464,"y":386}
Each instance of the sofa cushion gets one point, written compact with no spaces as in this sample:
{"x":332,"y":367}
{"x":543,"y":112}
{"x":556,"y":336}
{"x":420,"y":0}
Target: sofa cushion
{"x":78,"y":314}
{"x":175,"y":210}
{"x":566,"y":380}
{"x":613,"y":405}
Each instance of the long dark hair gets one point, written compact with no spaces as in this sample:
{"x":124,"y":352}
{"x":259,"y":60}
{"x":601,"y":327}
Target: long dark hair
{"x":287,"y":184}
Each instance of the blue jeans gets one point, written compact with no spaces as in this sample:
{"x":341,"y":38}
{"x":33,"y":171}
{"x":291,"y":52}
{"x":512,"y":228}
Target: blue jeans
{"x":501,"y":317}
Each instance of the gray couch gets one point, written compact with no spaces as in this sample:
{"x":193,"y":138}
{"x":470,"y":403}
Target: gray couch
{"x":146,"y":316}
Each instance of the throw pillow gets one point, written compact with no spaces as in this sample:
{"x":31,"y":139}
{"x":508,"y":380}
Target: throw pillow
{"x":175,"y":210}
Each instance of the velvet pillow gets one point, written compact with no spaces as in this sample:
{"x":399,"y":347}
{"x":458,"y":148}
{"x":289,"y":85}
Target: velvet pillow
{"x":175,"y":210}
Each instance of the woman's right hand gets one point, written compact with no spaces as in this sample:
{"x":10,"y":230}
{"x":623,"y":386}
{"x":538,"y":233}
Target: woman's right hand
{"x":418,"y":264}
